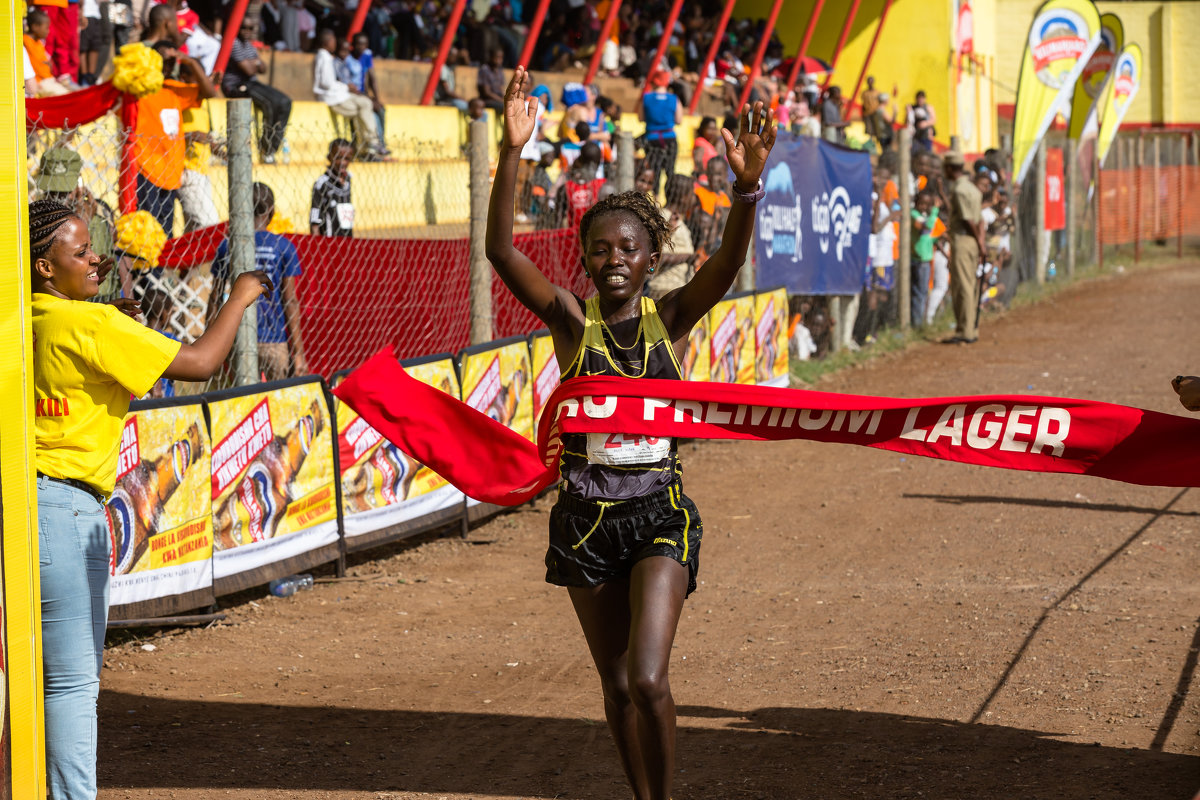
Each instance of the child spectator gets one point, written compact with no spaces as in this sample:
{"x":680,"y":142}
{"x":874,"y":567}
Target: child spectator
{"x":880,"y":277}
{"x":541,"y":205}
{"x":362,"y":67}
{"x":241,"y":80}
{"x":95,"y":42}
{"x":713,"y":204}
{"x":158,"y":313}
{"x":279,"y":311}
{"x":941,"y":277}
{"x":476,"y":108}
{"x":924,"y":219}
{"x":62,"y":36}
{"x":332,"y":212}
{"x":582,"y":187}
{"x":343,"y":99}
{"x":48,"y":85}
{"x":570,"y":148}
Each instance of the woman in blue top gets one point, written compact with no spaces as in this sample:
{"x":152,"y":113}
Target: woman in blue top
{"x":624,"y":539}
{"x":661,"y":111}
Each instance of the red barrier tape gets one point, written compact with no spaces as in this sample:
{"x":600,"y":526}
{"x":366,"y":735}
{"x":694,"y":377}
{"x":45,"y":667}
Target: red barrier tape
{"x":1038,"y":434}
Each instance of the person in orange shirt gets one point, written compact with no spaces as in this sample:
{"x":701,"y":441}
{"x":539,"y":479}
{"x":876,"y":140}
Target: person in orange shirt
{"x":159,"y":149}
{"x":62,"y":39}
{"x":712,"y":207}
{"x":38,"y":23}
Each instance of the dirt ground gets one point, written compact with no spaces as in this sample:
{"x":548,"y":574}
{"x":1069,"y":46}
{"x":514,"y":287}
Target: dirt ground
{"x":868,"y":625}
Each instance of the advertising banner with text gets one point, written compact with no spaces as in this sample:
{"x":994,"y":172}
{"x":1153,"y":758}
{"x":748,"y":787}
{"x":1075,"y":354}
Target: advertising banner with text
{"x":810,"y":234}
{"x":731,"y":325}
{"x":546,"y":372}
{"x":273,"y":485}
{"x":160,"y":511}
{"x":696,"y":358}
{"x":381,"y":485}
{"x":770,"y":338}
{"x":495,"y":381}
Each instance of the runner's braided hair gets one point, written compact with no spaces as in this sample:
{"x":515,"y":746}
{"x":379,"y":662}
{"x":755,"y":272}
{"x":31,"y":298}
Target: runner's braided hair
{"x":641,"y":206}
{"x":46,"y":217}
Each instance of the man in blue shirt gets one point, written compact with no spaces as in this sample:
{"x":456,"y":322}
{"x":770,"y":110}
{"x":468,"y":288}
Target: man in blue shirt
{"x":279,"y":311}
{"x":364,"y":76}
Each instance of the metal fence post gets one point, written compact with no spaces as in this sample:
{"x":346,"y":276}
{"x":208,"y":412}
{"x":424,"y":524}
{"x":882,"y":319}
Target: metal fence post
{"x":1155,"y":174}
{"x":1180,"y":188}
{"x":1041,"y":246}
{"x":904,"y":266}
{"x":1071,"y":178}
{"x":1138,"y":158}
{"x":624,"y":165}
{"x":241,"y":235}
{"x":481,"y":270}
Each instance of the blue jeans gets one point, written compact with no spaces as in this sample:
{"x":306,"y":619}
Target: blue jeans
{"x":73,"y":547}
{"x":920,"y":291}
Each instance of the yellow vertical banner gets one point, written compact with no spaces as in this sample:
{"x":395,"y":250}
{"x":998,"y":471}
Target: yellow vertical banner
{"x":1126,"y":80}
{"x":1092,"y":83}
{"x":1062,"y":38}
{"x":384,"y":490}
{"x":770,"y":338}
{"x":731,"y":323}
{"x":22,"y":765}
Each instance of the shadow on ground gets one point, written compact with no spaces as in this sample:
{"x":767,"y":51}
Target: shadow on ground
{"x":762,"y":753}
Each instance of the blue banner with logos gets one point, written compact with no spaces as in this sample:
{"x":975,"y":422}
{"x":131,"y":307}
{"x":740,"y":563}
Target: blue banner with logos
{"x":812,"y":226}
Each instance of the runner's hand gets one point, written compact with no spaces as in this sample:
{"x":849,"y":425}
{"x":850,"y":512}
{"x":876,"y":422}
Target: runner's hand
{"x":520,"y":112}
{"x":748,"y":156}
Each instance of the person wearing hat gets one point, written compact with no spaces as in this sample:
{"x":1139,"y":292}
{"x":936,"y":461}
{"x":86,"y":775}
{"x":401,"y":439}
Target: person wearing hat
{"x":964,"y":209}
{"x":661,"y":111}
{"x":58,"y":180}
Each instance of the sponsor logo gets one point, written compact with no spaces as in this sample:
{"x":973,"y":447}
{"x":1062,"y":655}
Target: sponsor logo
{"x":779,"y":222}
{"x":1058,"y":38}
{"x":1127,"y":80}
{"x":128,"y":456}
{"x":833,"y":213}
{"x":120,"y":514}
{"x":484,"y":393}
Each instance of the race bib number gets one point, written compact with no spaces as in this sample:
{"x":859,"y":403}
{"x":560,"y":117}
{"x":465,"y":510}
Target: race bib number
{"x":621,"y":449}
{"x":345,"y":212}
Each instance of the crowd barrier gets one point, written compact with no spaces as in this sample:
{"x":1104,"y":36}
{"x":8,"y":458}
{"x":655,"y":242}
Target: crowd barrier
{"x":231,"y":489}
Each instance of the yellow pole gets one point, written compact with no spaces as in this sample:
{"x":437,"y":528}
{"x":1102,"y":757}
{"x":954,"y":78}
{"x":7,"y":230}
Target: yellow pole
{"x":18,"y":523}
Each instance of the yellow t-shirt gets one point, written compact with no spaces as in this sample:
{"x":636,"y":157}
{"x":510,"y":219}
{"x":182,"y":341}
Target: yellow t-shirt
{"x":88,"y":359}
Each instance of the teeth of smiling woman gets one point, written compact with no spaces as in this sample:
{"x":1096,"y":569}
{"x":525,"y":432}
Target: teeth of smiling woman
{"x":616,"y":280}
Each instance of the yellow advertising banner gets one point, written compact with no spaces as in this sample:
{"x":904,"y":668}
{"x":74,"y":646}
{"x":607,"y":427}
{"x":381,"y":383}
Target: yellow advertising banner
{"x":546,"y":373}
{"x":1126,"y":80}
{"x":272,"y":490}
{"x":160,"y":511}
{"x":1062,"y":38}
{"x":1093,"y":80}
{"x":770,"y":338}
{"x":495,"y":380}
{"x":732,"y":344}
{"x":696,"y":359}
{"x":381,"y":484}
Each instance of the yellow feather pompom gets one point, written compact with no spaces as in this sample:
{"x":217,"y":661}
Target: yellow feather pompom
{"x":280,"y":224}
{"x":138,"y":70}
{"x":140,"y":236}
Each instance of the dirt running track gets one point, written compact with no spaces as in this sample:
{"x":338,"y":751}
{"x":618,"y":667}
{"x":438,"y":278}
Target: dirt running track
{"x":867,"y":626}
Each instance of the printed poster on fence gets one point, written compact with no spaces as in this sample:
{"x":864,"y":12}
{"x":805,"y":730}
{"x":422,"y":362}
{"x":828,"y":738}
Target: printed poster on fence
{"x":732,"y":352}
{"x":546,"y":372}
{"x":811,"y":229}
{"x":273,"y":491}
{"x":1089,"y":89}
{"x":160,"y":511}
{"x":1062,"y":38}
{"x":770,"y":338}
{"x":696,"y":359}
{"x":381,"y":484}
{"x":495,"y":381}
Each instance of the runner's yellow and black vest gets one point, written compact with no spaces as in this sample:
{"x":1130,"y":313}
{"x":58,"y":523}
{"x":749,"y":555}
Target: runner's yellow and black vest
{"x":612,"y":466}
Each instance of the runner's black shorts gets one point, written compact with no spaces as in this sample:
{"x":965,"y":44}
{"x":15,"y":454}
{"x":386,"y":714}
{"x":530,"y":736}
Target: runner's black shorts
{"x":591,"y":544}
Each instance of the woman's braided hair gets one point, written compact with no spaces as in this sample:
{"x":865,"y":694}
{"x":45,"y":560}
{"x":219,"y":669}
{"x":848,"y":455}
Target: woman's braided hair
{"x":641,"y":206}
{"x":46,"y":217}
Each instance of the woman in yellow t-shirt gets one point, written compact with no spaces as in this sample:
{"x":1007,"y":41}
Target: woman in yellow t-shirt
{"x":87,"y":361}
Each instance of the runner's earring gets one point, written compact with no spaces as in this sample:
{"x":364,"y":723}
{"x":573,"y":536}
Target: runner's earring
{"x":650,"y":270}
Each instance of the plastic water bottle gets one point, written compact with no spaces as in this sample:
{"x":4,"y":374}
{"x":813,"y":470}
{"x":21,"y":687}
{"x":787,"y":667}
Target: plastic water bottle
{"x":286,"y":587}
{"x":285,"y":152}
{"x":1051,"y":271}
